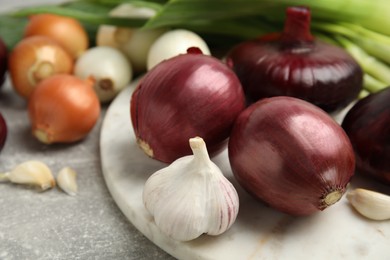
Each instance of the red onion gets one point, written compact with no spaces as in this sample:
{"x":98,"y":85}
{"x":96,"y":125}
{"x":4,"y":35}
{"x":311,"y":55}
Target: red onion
{"x":3,"y":131}
{"x":293,"y":63}
{"x":367,"y":124}
{"x":186,"y":96}
{"x":3,"y":61}
{"x":291,"y":154}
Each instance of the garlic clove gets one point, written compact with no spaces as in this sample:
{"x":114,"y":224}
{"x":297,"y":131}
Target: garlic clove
{"x":372,"y":205}
{"x":32,"y":172}
{"x":66,"y":180}
{"x":191,"y":196}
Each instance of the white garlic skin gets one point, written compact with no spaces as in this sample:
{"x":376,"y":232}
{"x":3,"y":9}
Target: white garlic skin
{"x":66,"y":180}
{"x":34,"y":173}
{"x":191,"y":197}
{"x":108,"y":67}
{"x":371,"y":204}
{"x":134,"y":43}
{"x":173,"y":43}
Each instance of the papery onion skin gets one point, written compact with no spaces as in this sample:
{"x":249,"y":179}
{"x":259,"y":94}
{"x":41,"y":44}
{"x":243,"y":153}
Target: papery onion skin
{"x":63,"y":109}
{"x":293,"y":63}
{"x":291,"y":155}
{"x":367,"y":124}
{"x":188,"y":95}
{"x":34,"y":59}
{"x":3,"y":131}
{"x":66,"y":31}
{"x":3,"y":61}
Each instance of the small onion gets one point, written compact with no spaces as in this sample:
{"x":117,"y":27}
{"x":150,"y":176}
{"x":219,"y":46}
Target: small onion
{"x":3,"y":131}
{"x":68,"y":32}
{"x":173,"y":43}
{"x":291,"y":155}
{"x":367,"y":124}
{"x":294,"y":63}
{"x":189,"y":95}
{"x":134,"y":43}
{"x":3,"y":61}
{"x":109,"y":68}
{"x":34,"y":59}
{"x":63,"y":109}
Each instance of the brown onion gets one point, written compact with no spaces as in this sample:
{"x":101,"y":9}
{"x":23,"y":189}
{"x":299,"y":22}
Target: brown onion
{"x":66,"y":31}
{"x":367,"y":124}
{"x":63,"y":109}
{"x":294,"y":63}
{"x":34,"y":59}
{"x":3,"y":131}
{"x":291,"y":154}
{"x":188,"y":95}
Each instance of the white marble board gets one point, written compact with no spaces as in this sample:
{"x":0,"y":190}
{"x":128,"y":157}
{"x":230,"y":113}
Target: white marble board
{"x":259,"y":231}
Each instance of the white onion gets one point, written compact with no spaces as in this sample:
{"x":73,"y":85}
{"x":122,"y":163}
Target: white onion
{"x":109,"y":67}
{"x":173,"y":43}
{"x":134,"y":43}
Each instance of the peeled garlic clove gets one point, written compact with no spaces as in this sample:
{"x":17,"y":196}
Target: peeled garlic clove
{"x":373,"y":205}
{"x":66,"y":180}
{"x":33,"y":173}
{"x":191,"y":196}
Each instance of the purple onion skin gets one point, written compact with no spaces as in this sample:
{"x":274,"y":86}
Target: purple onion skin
{"x":3,"y":61}
{"x":290,"y":154}
{"x":367,"y":124}
{"x":186,"y":96}
{"x":3,"y":131}
{"x":295,"y":64}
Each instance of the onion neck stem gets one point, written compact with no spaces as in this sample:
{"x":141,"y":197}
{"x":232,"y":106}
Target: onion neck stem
{"x":297,"y":26}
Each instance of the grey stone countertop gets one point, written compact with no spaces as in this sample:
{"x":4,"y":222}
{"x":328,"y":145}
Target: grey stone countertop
{"x":51,"y":224}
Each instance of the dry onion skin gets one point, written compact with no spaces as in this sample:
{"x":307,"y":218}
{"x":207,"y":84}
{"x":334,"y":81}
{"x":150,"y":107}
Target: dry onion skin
{"x":34,"y":59}
{"x":63,"y":109}
{"x":68,"y":32}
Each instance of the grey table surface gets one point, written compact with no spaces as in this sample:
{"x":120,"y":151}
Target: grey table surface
{"x":52,"y":224}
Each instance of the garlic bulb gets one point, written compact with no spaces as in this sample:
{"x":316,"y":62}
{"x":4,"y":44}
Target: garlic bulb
{"x":66,"y":180}
{"x":33,"y":173}
{"x":372,"y":205}
{"x":191,"y":196}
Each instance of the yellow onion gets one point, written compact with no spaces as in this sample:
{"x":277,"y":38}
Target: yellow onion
{"x":63,"y":109}
{"x":34,"y":59}
{"x":68,"y":32}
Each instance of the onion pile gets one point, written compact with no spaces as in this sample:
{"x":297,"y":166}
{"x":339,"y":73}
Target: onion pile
{"x":291,"y":155}
{"x":3,"y":131}
{"x":367,"y":124}
{"x":293,"y":63}
{"x":185,"y":96}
